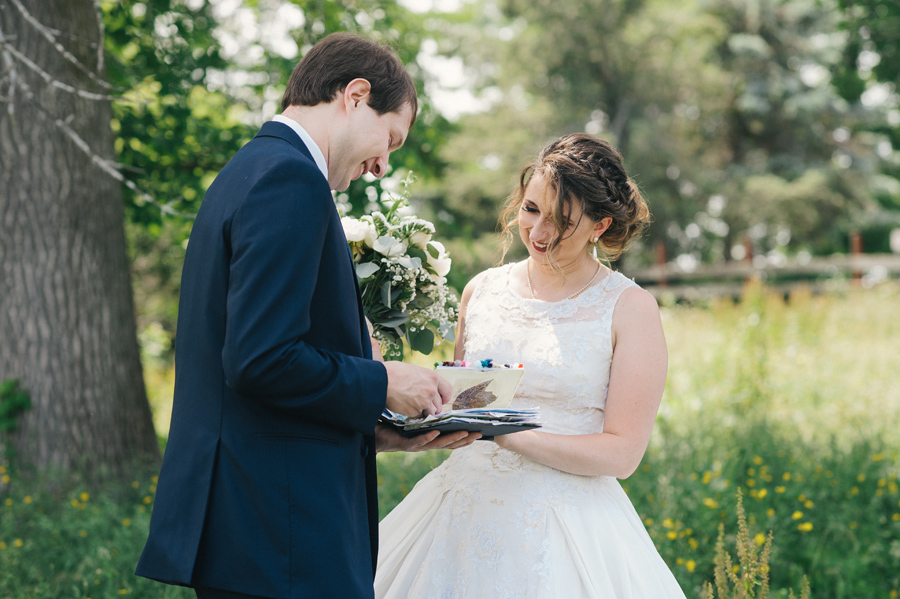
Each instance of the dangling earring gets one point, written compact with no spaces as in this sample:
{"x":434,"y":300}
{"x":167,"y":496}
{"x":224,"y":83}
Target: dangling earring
{"x":594,"y":242}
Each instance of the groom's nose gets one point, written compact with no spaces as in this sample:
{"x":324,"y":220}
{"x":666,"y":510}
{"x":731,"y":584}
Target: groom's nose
{"x":379,"y":167}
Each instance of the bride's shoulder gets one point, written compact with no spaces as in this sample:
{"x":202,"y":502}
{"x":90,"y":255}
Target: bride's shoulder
{"x":492,"y":277}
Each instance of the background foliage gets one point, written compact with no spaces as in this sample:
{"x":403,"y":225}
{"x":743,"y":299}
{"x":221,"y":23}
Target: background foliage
{"x":770,"y":124}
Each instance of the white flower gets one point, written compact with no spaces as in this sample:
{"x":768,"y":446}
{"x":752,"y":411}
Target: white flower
{"x":438,"y":258}
{"x":389,"y":246}
{"x":420,"y":239}
{"x":355,"y":230}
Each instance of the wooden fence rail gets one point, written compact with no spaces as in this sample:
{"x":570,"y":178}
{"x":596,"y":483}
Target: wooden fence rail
{"x":728,"y":279}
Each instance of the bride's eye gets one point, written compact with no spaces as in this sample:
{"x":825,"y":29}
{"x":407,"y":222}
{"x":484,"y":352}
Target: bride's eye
{"x":529,"y":209}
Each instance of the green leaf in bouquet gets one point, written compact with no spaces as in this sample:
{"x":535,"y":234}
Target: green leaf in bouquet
{"x":421,"y":340}
{"x":394,"y":319}
{"x":386,"y":294}
{"x":447,"y":332}
{"x":414,"y":252}
{"x":420,"y":302}
{"x":366,"y":270}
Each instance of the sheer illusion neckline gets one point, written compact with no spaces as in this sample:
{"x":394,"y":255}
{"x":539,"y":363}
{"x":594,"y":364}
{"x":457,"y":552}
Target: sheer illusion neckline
{"x":590,"y":293}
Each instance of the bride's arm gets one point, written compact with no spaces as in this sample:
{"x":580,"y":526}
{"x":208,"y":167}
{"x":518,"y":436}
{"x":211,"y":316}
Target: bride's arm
{"x":459,"y":349}
{"x":636,"y":382}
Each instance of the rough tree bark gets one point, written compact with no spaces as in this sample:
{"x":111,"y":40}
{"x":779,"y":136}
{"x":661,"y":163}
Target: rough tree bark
{"x":67,"y":324}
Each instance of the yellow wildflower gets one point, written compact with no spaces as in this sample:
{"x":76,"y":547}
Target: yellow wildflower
{"x":18,"y":543}
{"x":770,"y":512}
{"x":710,"y":503}
{"x":672,"y":535}
{"x":2,"y":546}
{"x":808,"y":504}
{"x":786,"y":476}
{"x":706,"y":477}
{"x":8,"y":502}
{"x":797,"y":515}
{"x":780,"y":489}
{"x":693,"y":543}
{"x":5,"y":479}
{"x":27,"y":499}
{"x":762,"y":493}
{"x":853,"y":526}
{"x":83,"y":533}
{"x":757,"y":460}
{"x":668,"y":523}
{"x":805,"y":526}
{"x":760,"y":538}
{"x":861,"y":477}
{"x":126,"y":522}
{"x":690,"y":565}
{"x":84,"y":496}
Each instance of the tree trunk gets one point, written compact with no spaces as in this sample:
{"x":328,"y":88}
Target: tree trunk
{"x":67,"y":325}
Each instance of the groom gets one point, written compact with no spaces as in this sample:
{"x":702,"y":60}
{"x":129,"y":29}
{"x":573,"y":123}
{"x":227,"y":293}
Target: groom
{"x":268,"y":486}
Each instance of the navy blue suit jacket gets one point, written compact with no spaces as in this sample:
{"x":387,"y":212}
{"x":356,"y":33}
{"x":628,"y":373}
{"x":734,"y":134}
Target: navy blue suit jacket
{"x":268,"y":483}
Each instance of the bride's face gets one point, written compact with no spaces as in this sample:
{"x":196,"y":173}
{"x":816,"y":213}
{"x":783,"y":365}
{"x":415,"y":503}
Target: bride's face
{"x":538,"y":231}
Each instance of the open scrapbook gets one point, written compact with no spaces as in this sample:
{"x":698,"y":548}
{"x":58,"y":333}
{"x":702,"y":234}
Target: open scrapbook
{"x":482,"y":393}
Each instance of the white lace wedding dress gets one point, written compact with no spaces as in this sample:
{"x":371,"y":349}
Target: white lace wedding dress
{"x":489,"y":523}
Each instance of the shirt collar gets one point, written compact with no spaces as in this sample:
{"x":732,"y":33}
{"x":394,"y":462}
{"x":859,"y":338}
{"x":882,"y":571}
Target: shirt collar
{"x":313,"y":148}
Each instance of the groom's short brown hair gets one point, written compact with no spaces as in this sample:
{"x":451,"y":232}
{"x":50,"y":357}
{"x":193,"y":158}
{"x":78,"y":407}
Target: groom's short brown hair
{"x":338,"y":59}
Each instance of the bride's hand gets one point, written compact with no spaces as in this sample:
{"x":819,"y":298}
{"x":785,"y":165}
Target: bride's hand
{"x":388,"y":439}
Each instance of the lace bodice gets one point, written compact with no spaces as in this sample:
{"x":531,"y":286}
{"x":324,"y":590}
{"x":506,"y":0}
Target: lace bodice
{"x":566,"y":346}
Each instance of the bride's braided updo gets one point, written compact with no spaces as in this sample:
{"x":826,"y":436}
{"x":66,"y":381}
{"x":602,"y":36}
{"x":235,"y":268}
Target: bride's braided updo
{"x":582,"y":168}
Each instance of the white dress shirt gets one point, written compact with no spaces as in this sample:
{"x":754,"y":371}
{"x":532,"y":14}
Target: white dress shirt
{"x":317,"y":154}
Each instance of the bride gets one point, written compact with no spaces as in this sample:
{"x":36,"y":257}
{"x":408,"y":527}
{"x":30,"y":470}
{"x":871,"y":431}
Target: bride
{"x":540,"y":513}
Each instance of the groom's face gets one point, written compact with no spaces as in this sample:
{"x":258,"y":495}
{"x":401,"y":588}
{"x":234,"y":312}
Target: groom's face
{"x":366,"y":144}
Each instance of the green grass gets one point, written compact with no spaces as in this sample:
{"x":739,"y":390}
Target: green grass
{"x":796,"y":403}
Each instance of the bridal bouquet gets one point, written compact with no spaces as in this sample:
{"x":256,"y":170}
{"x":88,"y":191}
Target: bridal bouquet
{"x":401,"y":274}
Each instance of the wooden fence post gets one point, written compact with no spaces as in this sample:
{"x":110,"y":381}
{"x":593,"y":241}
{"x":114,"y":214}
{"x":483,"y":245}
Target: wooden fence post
{"x":661,"y":261}
{"x":856,"y":248}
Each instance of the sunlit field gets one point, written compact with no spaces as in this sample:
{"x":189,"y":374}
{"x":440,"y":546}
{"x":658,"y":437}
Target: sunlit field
{"x":796,"y":403}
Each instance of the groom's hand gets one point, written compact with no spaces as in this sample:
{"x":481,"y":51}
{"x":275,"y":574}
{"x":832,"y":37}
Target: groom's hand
{"x":388,"y":439}
{"x":415,"y":391}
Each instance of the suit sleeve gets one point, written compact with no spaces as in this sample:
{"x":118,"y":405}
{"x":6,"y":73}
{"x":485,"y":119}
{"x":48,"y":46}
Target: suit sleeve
{"x":277,"y":239}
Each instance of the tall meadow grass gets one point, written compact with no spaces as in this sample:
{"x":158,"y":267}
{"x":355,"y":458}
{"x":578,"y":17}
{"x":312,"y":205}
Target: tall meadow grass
{"x":796,"y":403}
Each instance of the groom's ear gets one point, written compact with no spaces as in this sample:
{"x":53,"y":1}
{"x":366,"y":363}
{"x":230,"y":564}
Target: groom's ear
{"x":357,"y":91}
